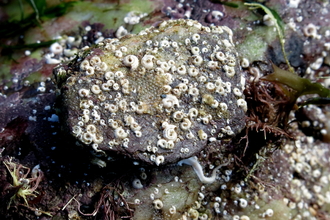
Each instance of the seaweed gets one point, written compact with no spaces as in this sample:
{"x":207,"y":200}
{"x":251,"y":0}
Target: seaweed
{"x":278,"y":24}
{"x":11,"y":28}
{"x":24,"y":187}
{"x":301,"y":86}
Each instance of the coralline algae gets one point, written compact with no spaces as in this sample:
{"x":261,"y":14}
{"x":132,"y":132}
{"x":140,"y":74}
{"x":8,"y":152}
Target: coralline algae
{"x":159,"y":96}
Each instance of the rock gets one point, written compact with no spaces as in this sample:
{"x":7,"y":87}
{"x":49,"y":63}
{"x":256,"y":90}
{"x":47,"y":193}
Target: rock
{"x":159,"y":96}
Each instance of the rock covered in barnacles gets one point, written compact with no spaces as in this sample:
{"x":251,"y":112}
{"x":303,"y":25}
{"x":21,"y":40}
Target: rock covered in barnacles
{"x":158,"y":96}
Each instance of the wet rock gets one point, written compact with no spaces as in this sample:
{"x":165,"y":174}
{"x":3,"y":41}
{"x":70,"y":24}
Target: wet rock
{"x":159,"y":96}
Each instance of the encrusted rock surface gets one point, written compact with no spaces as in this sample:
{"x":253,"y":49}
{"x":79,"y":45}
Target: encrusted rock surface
{"x":158,"y":96}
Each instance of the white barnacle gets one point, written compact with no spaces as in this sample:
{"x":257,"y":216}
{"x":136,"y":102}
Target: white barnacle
{"x":227,"y":130}
{"x":135,"y":127}
{"x":105,"y":87}
{"x":178,"y":116}
{"x":202,"y":135}
{"x":159,"y":159}
{"x":91,"y":128}
{"x":243,"y":203}
{"x":162,"y":143}
{"x":193,"y":71}
{"x":123,"y":49}
{"x":95,"y":60}
{"x":245,"y":63}
{"x":89,"y":70}
{"x":120,"y":133}
{"x":84,"y":104}
{"x":229,"y":70}
{"x":193,"y":92}
{"x":95,"y":114}
{"x":202,"y":79}
{"x":212,"y":65}
{"x":185,"y":124}
{"x":192,"y":161}
{"x":220,"y":56}
{"x":146,"y":61}
{"x":169,"y":145}
{"x":119,"y":75}
{"x":217,"y":29}
{"x":231,"y":61}
{"x":157,"y":203}
{"x":214,"y":104}
{"x":90,"y":102}
{"x":97,"y":138}
{"x":131,"y":61}
{"x":269,"y":213}
{"x":118,"y":53}
{"x":245,"y":217}
{"x":172,"y":210}
{"x":166,"y":89}
{"x":170,"y":101}
{"x":183,"y":87}
{"x":80,"y":123}
{"x":194,"y":50}
{"x":196,"y":37}
{"x":165,"y":66}
{"x":96,"y":89}
{"x":159,"y":70}
{"x":149,"y":42}
{"x":123,"y":104}
{"x":121,"y":31}
{"x":116,"y":86}
{"x":137,"y":184}
{"x":84,"y":64}
{"x":129,"y":119}
{"x":169,"y":132}
{"x":102,"y":67}
{"x":210,"y":86}
{"x":142,"y":108}
{"x":153,"y":157}
{"x":113,"y":108}
{"x":124,"y":84}
{"x":227,"y":43}
{"x":138,"y":133}
{"x":171,"y":63}
{"x":56,"y":48}
{"x":310,"y":30}
{"x":193,"y":113}
{"x":109,"y":75}
{"x":76,"y":130}
{"x":181,"y":70}
{"x":111,"y":144}
{"x":174,"y":44}
{"x":87,"y":138}
{"x":268,"y":20}
{"x":85,"y":118}
{"x":237,"y":92}
{"x":223,"y":106}
{"x":197,"y":60}
{"x":83,"y":92}
{"x":86,"y":111}
{"x":242,"y":103}
{"x":164,"y":43}
{"x":205,"y":50}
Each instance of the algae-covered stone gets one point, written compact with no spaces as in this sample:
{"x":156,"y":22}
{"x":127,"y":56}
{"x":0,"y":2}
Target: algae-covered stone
{"x":158,"y":96}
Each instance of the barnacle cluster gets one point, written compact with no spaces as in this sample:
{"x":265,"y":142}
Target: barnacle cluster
{"x":158,"y":96}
